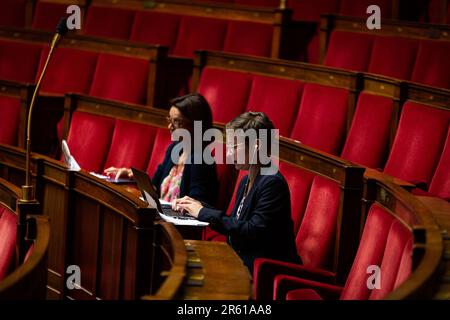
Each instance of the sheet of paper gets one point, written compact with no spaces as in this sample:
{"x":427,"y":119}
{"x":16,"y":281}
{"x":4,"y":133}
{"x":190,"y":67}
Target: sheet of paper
{"x":183,"y":222}
{"x":68,"y":159}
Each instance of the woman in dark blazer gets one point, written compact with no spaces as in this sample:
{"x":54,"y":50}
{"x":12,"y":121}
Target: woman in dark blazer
{"x":260,"y":223}
{"x":176,"y":177}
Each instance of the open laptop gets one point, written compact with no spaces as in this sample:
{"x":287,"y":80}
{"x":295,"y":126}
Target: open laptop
{"x":145,"y":185}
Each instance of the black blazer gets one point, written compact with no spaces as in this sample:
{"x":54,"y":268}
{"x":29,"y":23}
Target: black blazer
{"x":264,"y":228}
{"x":199,"y":181}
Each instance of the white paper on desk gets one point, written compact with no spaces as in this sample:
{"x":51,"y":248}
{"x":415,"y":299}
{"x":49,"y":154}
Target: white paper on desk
{"x":68,"y":159}
{"x":151,"y":202}
{"x":100,"y":176}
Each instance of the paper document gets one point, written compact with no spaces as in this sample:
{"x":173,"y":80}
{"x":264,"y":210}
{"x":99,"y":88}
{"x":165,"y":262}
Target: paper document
{"x":68,"y":159}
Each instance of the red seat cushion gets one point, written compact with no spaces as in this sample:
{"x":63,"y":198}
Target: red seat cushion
{"x":356,"y":56}
{"x":19,"y":61}
{"x":155,"y":28}
{"x":162,"y":141}
{"x":89,"y":140}
{"x":131,"y":145}
{"x":432,"y":64}
{"x":10,"y":118}
{"x":109,"y":22}
{"x":393,"y":57}
{"x":303,"y":294}
{"x":12,"y":13}
{"x":121,"y":78}
{"x":8,"y":231}
{"x":321,"y":121}
{"x":418,"y":143}
{"x":270,"y":95}
{"x":47,"y":15}
{"x":249,"y":38}
{"x":198,"y":33}
{"x":316,"y":236}
{"x":358,"y":8}
{"x":216,"y":85}
{"x":71,"y":70}
{"x":440,"y":185}
{"x":368,"y":138}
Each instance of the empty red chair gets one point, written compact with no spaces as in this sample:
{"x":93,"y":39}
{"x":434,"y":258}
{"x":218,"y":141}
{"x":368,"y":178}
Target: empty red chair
{"x":198,"y":33}
{"x":155,"y":28}
{"x":226,"y":91}
{"x":393,"y":57}
{"x":8,"y":230}
{"x":440,"y":185}
{"x":359,"y":8}
{"x":12,"y":13}
{"x":121,"y":78}
{"x":109,"y":22}
{"x":321,"y":120}
{"x":162,"y":140}
{"x":131,"y":145}
{"x":368,"y":139}
{"x":315,"y":239}
{"x":89,"y":140}
{"x":249,"y":38}
{"x":19,"y":60}
{"x":71,"y":70}
{"x":278,"y":98}
{"x":349,"y":50}
{"x":10,"y":118}
{"x":418,"y":143}
{"x":432,"y":65}
{"x":47,"y":15}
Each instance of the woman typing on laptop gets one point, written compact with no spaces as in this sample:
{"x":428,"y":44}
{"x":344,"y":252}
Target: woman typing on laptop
{"x":175,"y":179}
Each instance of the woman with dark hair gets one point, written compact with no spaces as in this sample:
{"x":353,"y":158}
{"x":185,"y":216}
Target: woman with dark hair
{"x":175,"y":179}
{"x":260,"y":223}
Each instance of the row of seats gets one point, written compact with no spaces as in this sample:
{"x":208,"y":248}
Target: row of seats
{"x":183,"y":34}
{"x":422,"y":61}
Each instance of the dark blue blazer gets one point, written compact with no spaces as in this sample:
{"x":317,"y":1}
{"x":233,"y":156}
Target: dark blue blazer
{"x":264,"y":228}
{"x":199,"y":181}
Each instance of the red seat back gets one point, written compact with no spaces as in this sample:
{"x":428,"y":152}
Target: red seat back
{"x":356,"y":56}
{"x":303,"y":10}
{"x":10,"y":118}
{"x":259,"y":3}
{"x":12,"y":13}
{"x":418,"y":143}
{"x":249,"y":38}
{"x":322,"y":118}
{"x":89,"y":140}
{"x":71,"y":70}
{"x":47,"y":15}
{"x":368,"y":138}
{"x":198,"y":33}
{"x":131,"y":145}
{"x":216,"y":86}
{"x":432,"y":64}
{"x":109,"y":22}
{"x":120,"y":78}
{"x":393,"y":57}
{"x":8,"y":232}
{"x":162,"y":140}
{"x":270,"y":95}
{"x":358,"y":8}
{"x":19,"y":61}
{"x":440,"y":185}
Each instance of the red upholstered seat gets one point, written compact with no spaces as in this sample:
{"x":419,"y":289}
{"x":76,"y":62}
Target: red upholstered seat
{"x":8,"y":231}
{"x":304,"y":11}
{"x":71,"y":70}
{"x":216,"y":85}
{"x":418,"y":143}
{"x":131,"y":145}
{"x":440,"y":185}
{"x":198,"y":33}
{"x":89,"y":140}
{"x":12,"y":13}
{"x":303,"y":294}
{"x":278,"y":98}
{"x":9,"y":117}
{"x":155,"y":28}
{"x":109,"y":22}
{"x":368,"y":138}
{"x":120,"y":78}
{"x":47,"y":15}
{"x":358,"y":8}
{"x":321,"y":120}
{"x":19,"y":61}
{"x":249,"y":38}
{"x":259,"y":3}
{"x":356,"y":56}
{"x":432,"y":64}
{"x":393,"y":56}
{"x":162,"y":140}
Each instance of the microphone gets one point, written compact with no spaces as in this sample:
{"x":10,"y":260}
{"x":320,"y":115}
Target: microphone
{"x":27,"y":189}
